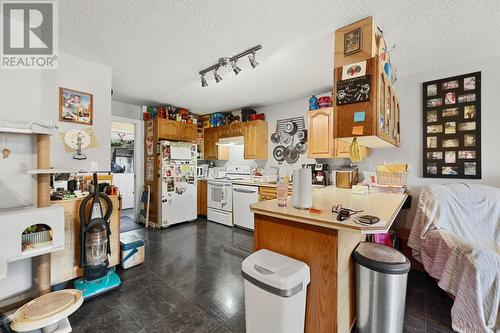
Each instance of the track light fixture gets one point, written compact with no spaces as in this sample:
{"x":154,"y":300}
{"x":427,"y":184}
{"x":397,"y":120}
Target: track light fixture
{"x":217,"y":77}
{"x":230,"y":61}
{"x":251,"y":58}
{"x":203,"y":81}
{"x":236,"y":69}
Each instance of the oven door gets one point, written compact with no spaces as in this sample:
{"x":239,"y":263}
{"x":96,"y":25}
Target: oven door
{"x":220,"y":196}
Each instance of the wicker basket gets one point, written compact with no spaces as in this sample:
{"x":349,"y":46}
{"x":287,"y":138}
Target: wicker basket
{"x":392,"y":178}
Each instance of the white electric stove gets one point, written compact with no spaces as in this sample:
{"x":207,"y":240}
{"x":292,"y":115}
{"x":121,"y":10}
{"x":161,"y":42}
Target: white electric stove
{"x":220,"y":192}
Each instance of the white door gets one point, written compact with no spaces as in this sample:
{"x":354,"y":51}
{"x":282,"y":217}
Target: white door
{"x":125,"y":184}
{"x":243,"y":197}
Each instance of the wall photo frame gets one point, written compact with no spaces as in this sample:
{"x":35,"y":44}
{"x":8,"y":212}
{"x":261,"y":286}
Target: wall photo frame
{"x":452,"y":127}
{"x":352,"y":42}
{"x":76,"y":106}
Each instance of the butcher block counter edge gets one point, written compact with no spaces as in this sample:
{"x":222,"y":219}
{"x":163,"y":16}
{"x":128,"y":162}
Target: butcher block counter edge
{"x":326,"y":197}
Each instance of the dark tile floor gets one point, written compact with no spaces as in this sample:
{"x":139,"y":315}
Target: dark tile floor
{"x":189,"y":283}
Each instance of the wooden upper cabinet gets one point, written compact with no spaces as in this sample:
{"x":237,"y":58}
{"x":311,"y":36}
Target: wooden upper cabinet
{"x":224,"y":131}
{"x":189,"y":132}
{"x":210,"y":138}
{"x":236,"y":129}
{"x":169,"y":129}
{"x":320,"y":133}
{"x":255,"y":138}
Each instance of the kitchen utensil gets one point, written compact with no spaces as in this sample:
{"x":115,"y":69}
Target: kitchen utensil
{"x":290,"y":127}
{"x":278,"y":153}
{"x":346,"y":177}
{"x":302,"y":135}
{"x":286,"y":138}
{"x":276,"y":138}
{"x":291,"y":154}
{"x":301,"y":147}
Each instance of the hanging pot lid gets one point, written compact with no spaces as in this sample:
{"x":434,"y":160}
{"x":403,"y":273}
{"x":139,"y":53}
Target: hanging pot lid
{"x":46,"y":310}
{"x":291,"y":154}
{"x":290,"y":127}
{"x":301,"y":147}
{"x":286,"y":138}
{"x":302,"y":135}
{"x":276,"y":138}
{"x":278,"y":153}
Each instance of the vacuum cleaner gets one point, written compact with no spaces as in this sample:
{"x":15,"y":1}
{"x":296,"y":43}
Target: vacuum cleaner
{"x":95,"y":246}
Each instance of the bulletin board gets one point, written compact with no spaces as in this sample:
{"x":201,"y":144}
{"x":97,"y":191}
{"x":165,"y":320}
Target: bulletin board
{"x":452,"y":127}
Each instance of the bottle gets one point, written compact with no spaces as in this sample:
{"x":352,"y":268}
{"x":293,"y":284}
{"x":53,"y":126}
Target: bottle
{"x":313,"y":103}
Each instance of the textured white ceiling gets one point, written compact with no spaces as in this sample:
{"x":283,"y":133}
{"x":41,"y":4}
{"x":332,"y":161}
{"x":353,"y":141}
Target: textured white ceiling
{"x":156,"y":48}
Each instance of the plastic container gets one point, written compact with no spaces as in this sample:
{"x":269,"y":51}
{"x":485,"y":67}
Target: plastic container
{"x":275,"y":292}
{"x":132,"y":248}
{"x":381,"y":276}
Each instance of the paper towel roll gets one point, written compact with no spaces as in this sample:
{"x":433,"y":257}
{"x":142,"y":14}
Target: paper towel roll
{"x":302,"y":189}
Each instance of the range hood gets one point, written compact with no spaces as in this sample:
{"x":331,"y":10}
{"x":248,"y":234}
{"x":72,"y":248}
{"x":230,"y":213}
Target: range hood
{"x":233,"y":141}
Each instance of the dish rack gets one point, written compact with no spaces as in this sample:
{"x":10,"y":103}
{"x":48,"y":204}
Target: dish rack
{"x":392,"y":178}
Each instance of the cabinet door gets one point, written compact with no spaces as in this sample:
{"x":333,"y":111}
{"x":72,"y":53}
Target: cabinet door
{"x":169,"y":129}
{"x":209,"y":147}
{"x":320,"y":133}
{"x":202,"y":197}
{"x":255,"y":139}
{"x":236,"y":129}
{"x":188,"y":132}
{"x":224,"y":131}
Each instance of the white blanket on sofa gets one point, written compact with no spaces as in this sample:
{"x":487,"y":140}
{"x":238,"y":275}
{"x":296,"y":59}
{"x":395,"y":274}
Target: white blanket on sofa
{"x":456,"y":236}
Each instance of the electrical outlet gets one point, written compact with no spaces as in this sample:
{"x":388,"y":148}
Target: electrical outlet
{"x":94,"y":166}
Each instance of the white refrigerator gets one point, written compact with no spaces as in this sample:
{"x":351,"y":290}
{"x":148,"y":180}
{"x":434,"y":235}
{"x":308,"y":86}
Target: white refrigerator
{"x":178,"y":200}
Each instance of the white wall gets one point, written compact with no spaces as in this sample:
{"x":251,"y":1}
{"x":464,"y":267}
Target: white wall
{"x":126,"y":110}
{"x":34,"y":95}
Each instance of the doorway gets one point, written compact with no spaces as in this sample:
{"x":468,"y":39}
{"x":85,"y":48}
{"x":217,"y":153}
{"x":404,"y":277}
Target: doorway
{"x":124,"y":170}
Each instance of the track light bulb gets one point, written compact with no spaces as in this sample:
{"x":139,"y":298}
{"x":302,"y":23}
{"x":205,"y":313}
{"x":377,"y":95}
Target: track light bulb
{"x":236,"y":69}
{"x":203,"y":81}
{"x":253,"y":62}
{"x":217,"y":77}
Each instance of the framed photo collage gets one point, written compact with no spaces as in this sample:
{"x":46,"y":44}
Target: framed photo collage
{"x":452,"y":127}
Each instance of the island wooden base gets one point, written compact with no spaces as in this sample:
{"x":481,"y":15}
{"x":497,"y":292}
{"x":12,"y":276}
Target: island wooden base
{"x":331,"y":302}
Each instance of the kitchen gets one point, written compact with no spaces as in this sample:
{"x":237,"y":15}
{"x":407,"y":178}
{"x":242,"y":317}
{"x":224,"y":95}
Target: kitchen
{"x":283,"y":181}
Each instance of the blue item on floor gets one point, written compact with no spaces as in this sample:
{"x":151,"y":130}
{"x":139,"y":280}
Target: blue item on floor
{"x":99,"y":286}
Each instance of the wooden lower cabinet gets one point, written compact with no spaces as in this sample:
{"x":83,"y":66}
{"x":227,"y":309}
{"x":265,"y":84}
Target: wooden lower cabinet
{"x":202,"y":197}
{"x":269,"y":193}
{"x":66,"y":263}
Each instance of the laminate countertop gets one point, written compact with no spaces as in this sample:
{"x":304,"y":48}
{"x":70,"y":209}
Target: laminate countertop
{"x":383,"y":205}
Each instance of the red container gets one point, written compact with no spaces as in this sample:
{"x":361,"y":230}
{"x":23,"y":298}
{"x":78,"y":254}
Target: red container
{"x":325,"y":102}
{"x":259,"y":116}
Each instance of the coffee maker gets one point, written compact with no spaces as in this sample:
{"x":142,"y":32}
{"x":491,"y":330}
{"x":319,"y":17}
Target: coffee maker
{"x":320,"y":173}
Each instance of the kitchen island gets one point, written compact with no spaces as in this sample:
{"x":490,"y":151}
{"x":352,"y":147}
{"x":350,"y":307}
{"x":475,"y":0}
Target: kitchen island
{"x":325,"y":244}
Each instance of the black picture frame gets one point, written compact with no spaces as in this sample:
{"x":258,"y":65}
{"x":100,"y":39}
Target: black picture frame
{"x":356,"y":33}
{"x":452,"y":108}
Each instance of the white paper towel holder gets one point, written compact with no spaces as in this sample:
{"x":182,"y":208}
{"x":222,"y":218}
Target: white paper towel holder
{"x":302,"y":189}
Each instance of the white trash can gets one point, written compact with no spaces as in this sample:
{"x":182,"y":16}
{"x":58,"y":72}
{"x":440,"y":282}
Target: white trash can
{"x":275,"y":292}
